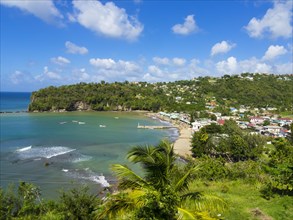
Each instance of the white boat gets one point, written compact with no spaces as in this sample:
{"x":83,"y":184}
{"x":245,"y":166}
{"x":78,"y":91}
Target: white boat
{"x":102,"y":126}
{"x":81,"y":123}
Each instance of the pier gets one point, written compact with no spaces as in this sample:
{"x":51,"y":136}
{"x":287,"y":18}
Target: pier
{"x":154,"y":126}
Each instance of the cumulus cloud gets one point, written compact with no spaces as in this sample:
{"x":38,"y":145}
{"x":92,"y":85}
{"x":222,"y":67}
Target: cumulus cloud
{"x":113,"y":67}
{"x":103,"y":63}
{"x":273,"y":52}
{"x":60,"y":60}
{"x":228,"y":66}
{"x":222,"y":47}
{"x":48,"y":75}
{"x":155,"y":71}
{"x":108,"y":19}
{"x":179,"y":61}
{"x":187,"y":27}
{"x":74,"y":49}
{"x":81,"y":75}
{"x":252,"y":65}
{"x":161,"y":61}
{"x":275,"y":23}
{"x":44,"y":10}
{"x":284,"y":68}
{"x":19,"y":78}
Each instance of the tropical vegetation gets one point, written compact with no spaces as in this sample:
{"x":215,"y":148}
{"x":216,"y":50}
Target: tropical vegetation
{"x":254,"y":90}
{"x":205,"y":187}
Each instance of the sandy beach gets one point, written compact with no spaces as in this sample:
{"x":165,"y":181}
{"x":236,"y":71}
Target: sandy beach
{"x":182,"y":144}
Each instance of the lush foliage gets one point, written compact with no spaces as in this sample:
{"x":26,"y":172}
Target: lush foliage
{"x":161,"y":192}
{"x":228,"y":142}
{"x":186,"y":95}
{"x":25,"y":202}
{"x":171,"y":189}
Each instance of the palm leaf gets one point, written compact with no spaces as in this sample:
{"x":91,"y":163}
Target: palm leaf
{"x":191,"y":196}
{"x":182,"y":183}
{"x":182,"y":213}
{"x":210,"y":202}
{"x":128,"y":178}
{"x":122,"y":204}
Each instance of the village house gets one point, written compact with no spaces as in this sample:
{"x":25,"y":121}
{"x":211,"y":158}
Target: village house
{"x":257,"y":120}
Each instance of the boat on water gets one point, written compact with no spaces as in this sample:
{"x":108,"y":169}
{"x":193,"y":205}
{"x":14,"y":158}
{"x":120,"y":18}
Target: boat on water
{"x":81,"y":123}
{"x":102,"y":126}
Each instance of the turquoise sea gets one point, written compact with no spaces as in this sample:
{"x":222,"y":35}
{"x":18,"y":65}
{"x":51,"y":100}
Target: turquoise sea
{"x":61,"y":150}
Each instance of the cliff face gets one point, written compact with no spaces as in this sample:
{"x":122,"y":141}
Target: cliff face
{"x":81,"y":106}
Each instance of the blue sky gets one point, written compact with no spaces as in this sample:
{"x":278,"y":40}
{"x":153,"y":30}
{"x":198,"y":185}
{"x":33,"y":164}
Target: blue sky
{"x":45,"y":42}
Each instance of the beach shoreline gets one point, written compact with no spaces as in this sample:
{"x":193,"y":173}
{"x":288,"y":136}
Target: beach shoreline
{"x":183,"y":142}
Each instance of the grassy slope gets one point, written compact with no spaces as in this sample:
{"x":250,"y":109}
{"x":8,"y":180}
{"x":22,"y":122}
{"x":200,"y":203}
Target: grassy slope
{"x":244,"y":198}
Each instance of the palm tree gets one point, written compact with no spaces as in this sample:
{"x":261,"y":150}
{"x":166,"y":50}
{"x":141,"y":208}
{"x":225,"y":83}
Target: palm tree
{"x":160,"y":193}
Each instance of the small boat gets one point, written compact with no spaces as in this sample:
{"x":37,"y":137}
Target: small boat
{"x":62,"y":122}
{"x":81,"y":123}
{"x":102,"y":126}
{"x":116,"y":117}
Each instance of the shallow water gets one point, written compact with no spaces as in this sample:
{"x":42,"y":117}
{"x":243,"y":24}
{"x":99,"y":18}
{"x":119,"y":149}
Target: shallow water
{"x":58,"y":150}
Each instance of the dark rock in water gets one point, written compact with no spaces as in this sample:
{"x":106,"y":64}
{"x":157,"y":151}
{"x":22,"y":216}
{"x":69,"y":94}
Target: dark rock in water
{"x":47,"y":164}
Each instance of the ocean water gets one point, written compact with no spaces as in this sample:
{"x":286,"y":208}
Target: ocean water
{"x":62,"y":150}
{"x":14,"y":101}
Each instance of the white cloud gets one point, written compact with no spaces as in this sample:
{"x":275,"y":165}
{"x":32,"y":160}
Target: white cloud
{"x":103,"y":63}
{"x":108,"y":19}
{"x":161,"y":61}
{"x":16,"y":77}
{"x":275,"y":23}
{"x":50,"y":74}
{"x":179,"y":61}
{"x":155,"y":70}
{"x":74,"y":49}
{"x":284,"y":68}
{"x":254,"y":65}
{"x":60,"y":60}
{"x":228,"y":66}
{"x":222,"y":47}
{"x":274,"y":51}
{"x":81,"y":75}
{"x":47,"y":74}
{"x":44,"y":10}
{"x":112,"y":68}
{"x":187,"y":27}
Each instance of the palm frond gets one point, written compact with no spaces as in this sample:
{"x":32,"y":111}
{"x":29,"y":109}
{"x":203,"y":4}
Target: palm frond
{"x":182,"y":183}
{"x":211,"y":202}
{"x":191,"y":196}
{"x":142,"y":154}
{"x":184,"y":214}
{"x":122,"y":205}
{"x":127,"y":177}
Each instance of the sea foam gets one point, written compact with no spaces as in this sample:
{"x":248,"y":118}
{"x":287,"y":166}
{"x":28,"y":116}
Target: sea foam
{"x":42,"y":152}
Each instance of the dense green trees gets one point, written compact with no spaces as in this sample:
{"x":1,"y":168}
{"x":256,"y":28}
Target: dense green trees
{"x":185,"y":95}
{"x":25,"y":202}
{"x":229,"y":142}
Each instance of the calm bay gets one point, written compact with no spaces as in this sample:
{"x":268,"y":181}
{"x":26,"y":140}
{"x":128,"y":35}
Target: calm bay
{"x":62,"y":150}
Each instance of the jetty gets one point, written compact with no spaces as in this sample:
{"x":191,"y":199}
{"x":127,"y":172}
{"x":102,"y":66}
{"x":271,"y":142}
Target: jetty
{"x":154,"y":126}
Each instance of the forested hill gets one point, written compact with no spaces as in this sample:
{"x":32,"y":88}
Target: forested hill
{"x":254,"y":90}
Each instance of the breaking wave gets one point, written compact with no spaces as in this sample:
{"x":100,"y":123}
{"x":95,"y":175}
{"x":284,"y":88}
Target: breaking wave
{"x":41,"y":152}
{"x":87,"y":174}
